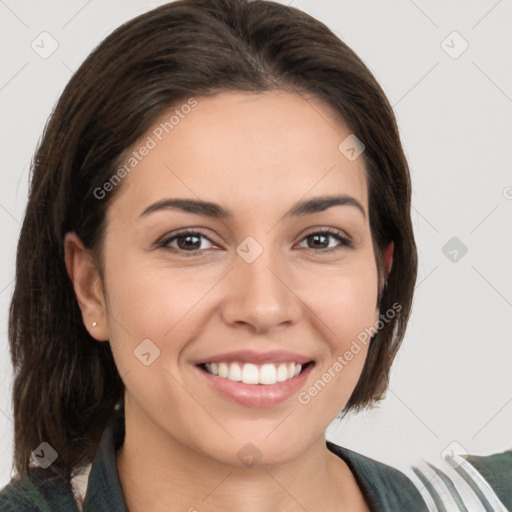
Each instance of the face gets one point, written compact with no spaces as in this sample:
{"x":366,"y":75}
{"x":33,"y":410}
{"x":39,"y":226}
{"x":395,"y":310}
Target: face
{"x":250,"y":285}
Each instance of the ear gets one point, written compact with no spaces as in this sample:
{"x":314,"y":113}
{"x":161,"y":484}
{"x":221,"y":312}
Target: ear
{"x":86,"y":281}
{"x":388,"y":264}
{"x":388,"y":258}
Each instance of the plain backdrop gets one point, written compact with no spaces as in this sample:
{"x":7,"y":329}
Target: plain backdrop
{"x":452,"y":95}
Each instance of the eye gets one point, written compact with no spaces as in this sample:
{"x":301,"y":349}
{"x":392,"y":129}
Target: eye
{"x":186,"y":241}
{"x":191,"y":242}
{"x":320,"y":240}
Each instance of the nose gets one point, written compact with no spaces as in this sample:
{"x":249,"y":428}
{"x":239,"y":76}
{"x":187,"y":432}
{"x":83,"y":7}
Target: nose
{"x":261,"y":294}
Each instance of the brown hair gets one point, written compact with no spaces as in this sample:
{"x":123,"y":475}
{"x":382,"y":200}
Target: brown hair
{"x":66,"y":384}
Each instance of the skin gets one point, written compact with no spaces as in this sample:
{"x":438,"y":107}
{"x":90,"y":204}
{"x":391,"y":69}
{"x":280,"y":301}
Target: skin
{"x":256,"y":154}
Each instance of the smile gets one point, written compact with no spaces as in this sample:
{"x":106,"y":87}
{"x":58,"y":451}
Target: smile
{"x":249,"y":373}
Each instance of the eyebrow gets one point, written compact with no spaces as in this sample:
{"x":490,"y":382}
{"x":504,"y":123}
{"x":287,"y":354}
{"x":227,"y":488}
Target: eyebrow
{"x":209,"y":209}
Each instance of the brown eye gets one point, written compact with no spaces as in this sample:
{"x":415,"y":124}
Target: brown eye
{"x":187,"y":241}
{"x":323,"y":240}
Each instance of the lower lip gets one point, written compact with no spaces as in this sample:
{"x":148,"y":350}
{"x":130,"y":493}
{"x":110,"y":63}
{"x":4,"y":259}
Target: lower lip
{"x":257,"y":395}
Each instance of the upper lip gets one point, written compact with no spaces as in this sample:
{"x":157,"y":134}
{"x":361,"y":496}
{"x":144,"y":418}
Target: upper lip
{"x":251,"y":356}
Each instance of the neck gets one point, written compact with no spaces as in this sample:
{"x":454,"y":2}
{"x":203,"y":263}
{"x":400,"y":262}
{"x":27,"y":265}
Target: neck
{"x":160,"y":474}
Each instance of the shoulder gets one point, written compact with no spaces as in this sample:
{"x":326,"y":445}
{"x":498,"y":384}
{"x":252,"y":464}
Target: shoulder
{"x":22,"y":495}
{"x":464,"y":480}
{"x":36,"y":493}
{"x":496,"y":469}
{"x":384,"y":487}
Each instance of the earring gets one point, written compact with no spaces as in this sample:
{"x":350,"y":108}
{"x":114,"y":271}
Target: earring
{"x":94,"y":324}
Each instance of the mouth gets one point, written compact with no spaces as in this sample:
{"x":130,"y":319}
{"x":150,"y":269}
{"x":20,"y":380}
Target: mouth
{"x":254,"y":378}
{"x":266,"y":374}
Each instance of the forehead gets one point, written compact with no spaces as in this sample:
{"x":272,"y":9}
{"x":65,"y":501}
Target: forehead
{"x":249,"y":151}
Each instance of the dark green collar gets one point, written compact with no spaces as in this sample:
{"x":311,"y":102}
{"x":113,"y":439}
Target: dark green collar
{"x":384,"y":488}
{"x":104,"y":493}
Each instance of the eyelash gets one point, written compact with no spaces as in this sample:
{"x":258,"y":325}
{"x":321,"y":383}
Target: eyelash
{"x":344,"y":241}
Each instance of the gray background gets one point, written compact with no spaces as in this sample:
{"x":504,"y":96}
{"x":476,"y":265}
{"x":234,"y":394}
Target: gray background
{"x":452,"y":379}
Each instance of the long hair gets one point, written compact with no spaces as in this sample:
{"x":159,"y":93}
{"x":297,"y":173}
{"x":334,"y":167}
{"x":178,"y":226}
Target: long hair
{"x":66,"y":383}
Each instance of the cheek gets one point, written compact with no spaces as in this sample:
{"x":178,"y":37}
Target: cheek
{"x":344,"y":305}
{"x":156,"y":303}
{"x":344,"y":301}
{"x":145,"y":296}
{"x":150,"y":315}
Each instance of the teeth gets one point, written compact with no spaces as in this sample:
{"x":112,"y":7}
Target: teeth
{"x":250,"y":373}
{"x":235,"y":372}
{"x":268,"y":374}
{"x":282,"y":373}
{"x":223,"y":370}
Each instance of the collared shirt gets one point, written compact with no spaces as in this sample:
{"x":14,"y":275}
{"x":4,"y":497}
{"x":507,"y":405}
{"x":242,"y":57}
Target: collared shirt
{"x":384,"y":487}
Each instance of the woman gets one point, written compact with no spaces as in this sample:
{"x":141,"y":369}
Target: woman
{"x":217,"y":257}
